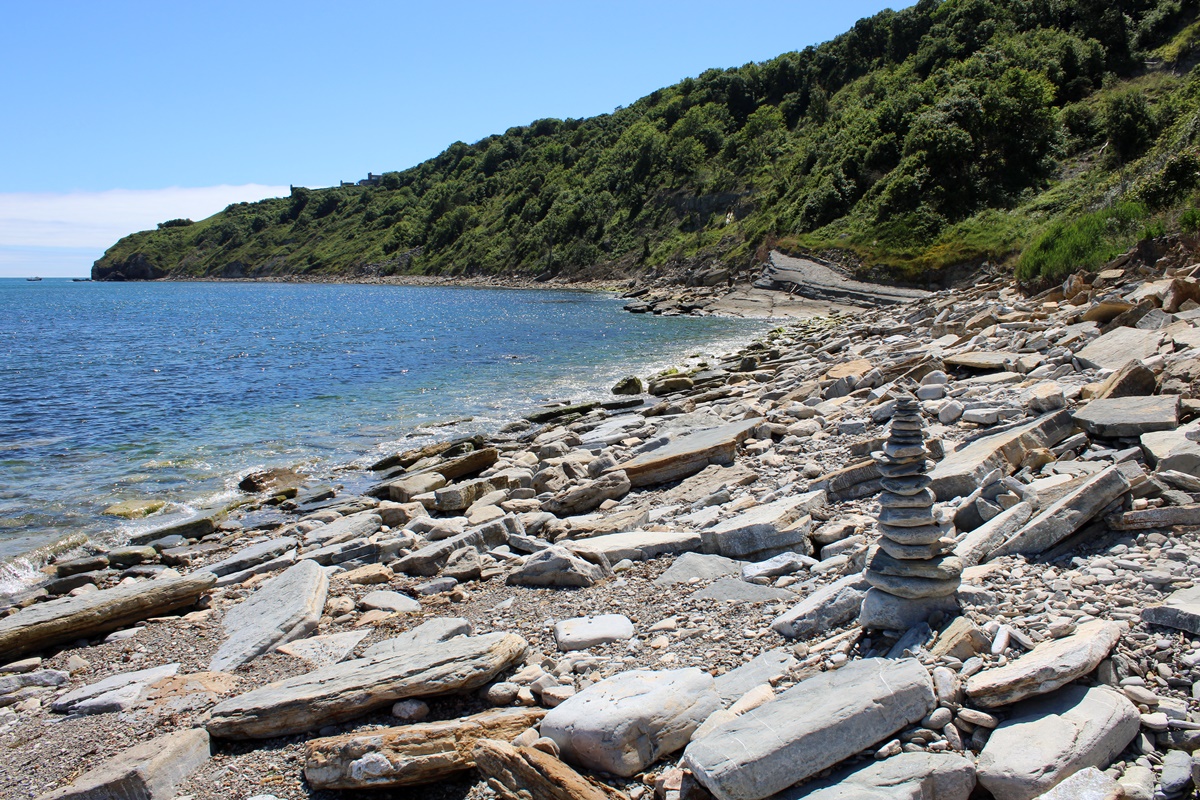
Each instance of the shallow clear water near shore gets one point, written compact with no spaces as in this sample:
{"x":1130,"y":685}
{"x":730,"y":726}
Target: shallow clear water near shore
{"x":172,"y":390}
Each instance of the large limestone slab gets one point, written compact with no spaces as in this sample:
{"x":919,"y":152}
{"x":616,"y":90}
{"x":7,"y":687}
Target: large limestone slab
{"x":60,"y":621}
{"x":1119,"y":346}
{"x":1067,"y":515}
{"x":148,"y":771}
{"x":430,"y":559}
{"x":1180,"y":611}
{"x":1117,"y":417}
{"x":766,"y":531}
{"x":409,"y":754}
{"x":976,"y":546}
{"x":252,"y":556}
{"x":342,"y":691}
{"x":983,"y":360}
{"x":284,"y":608}
{"x":908,"y":776}
{"x":825,"y":609}
{"x":687,"y":454}
{"x":1051,"y":738}
{"x":112,"y":693}
{"x":699,"y":565}
{"x":634,"y":545}
{"x":959,"y":473}
{"x":625,"y":723}
{"x":1049,"y":666}
{"x":812,"y":726}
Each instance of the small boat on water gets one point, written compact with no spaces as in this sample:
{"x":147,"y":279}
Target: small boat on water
{"x":34,"y":278}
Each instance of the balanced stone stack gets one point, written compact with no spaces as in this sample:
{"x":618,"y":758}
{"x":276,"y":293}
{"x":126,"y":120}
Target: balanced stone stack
{"x":912,"y":576}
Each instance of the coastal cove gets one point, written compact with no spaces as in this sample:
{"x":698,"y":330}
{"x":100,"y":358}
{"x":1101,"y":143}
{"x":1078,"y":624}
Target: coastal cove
{"x":171,"y":391}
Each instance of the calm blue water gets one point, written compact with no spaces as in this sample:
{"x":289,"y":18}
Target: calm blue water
{"x":118,"y":391}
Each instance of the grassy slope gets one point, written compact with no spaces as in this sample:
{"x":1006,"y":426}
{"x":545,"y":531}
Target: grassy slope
{"x":1024,"y":131}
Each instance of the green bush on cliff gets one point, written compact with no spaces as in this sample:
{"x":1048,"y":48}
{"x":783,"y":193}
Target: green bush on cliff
{"x":950,"y":132}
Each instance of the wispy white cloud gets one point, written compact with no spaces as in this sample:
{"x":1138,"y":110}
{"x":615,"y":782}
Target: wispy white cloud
{"x":62,"y":234}
{"x":97,"y":219}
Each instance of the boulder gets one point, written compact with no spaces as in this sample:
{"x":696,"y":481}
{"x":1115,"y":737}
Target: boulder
{"x":825,"y":609}
{"x":275,"y":480}
{"x":817,"y":723}
{"x":1052,"y":737}
{"x":555,"y":566}
{"x":587,"y":496}
{"x":343,"y":691}
{"x":1049,"y":666}
{"x":768,"y":530}
{"x":403,"y":490}
{"x":284,"y":608}
{"x":57,"y":622}
{"x":409,"y":754}
{"x":625,"y":723}
{"x":630,"y":384}
{"x":584,"y":632}
{"x":148,"y":771}
{"x":687,"y":454}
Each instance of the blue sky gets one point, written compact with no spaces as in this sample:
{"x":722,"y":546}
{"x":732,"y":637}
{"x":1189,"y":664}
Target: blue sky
{"x":122,"y":114}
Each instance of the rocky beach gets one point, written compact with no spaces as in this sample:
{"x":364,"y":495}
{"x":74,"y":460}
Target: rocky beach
{"x":933,"y":545}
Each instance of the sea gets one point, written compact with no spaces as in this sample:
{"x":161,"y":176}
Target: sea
{"x":174,"y":391}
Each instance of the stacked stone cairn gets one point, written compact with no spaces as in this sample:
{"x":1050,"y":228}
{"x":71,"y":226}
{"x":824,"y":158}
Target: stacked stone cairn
{"x":912,"y":576}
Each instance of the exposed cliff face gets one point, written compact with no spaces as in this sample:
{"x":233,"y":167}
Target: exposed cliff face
{"x":136,"y":267}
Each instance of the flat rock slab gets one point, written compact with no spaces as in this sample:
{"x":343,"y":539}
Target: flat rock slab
{"x":429,"y":560}
{"x":624,"y":723}
{"x":439,"y":629}
{"x":698,"y":565}
{"x":911,"y":776}
{"x":189,"y":526}
{"x":148,"y":771}
{"x":634,"y":545}
{"x":976,"y":546}
{"x":825,"y":609}
{"x":1051,"y":738}
{"x":99,"y":697}
{"x":736,"y":590}
{"x":768,"y":530}
{"x":284,"y":608}
{"x":1117,"y":417}
{"x":252,"y":556}
{"x":387,"y":600}
{"x":1119,"y":346}
{"x":686,"y":455}
{"x":959,"y":473}
{"x":983,"y":360}
{"x":60,"y":621}
{"x":343,"y":691}
{"x":1180,"y":611}
{"x":344,"y":529}
{"x":1049,"y":666}
{"x":409,"y":754}
{"x":584,"y":632}
{"x":817,"y":723}
{"x":1067,"y":515}
{"x":321,"y":651}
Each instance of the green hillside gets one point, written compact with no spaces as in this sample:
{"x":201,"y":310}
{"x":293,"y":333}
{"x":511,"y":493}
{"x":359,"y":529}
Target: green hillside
{"x":1050,"y":134}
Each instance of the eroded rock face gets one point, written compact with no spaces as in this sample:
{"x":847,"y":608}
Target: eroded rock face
{"x":810,"y":727}
{"x":1052,"y":737}
{"x":625,"y":723}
